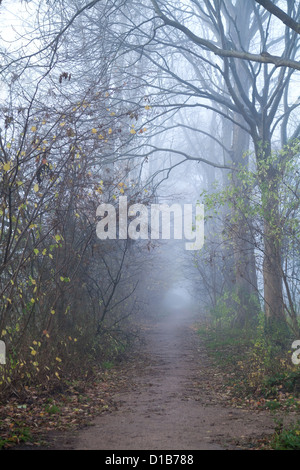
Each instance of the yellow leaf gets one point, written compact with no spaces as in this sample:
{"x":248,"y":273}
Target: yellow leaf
{"x":94,"y":131}
{"x":33,"y":128}
{"x":36,"y":188}
{"x":6,"y":167}
{"x":33,"y":352}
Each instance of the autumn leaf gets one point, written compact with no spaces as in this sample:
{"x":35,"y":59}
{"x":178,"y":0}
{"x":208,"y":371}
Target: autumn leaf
{"x":6,"y":166}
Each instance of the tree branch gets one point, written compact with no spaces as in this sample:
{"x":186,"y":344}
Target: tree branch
{"x":264,"y":57}
{"x":274,"y":10}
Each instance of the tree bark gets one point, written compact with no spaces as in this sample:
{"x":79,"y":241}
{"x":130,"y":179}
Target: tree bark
{"x":272,"y":230}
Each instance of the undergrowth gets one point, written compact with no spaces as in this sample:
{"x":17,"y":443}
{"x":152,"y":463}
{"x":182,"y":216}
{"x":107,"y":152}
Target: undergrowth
{"x":258,"y":374}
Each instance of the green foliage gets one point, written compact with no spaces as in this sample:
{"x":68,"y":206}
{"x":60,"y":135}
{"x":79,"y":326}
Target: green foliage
{"x":58,"y":281}
{"x":273,"y":405}
{"x":286,"y":438}
{"x":108,"y":365}
{"x":261,"y":207}
{"x":52,"y":409}
{"x":228,"y":307}
{"x":228,"y":346}
{"x":255,"y":368}
{"x":19,"y":433}
{"x":285,"y":380}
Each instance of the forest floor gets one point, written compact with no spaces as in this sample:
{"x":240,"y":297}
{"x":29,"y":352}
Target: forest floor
{"x":168,"y":396}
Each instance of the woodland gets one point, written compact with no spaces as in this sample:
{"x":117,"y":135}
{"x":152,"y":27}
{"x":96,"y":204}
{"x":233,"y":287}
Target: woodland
{"x":174,"y":101}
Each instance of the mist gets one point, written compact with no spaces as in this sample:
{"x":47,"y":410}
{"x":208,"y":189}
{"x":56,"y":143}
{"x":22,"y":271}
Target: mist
{"x":149,"y":223}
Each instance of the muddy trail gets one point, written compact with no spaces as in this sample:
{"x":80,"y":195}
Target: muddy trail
{"x":172,"y":403}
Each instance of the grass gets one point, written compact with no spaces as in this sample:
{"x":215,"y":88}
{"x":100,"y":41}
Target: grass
{"x":286,"y":438}
{"x":251,"y":370}
{"x":256,"y":377}
{"x":108,"y":365}
{"x":18,"y":433}
{"x":52,"y":409}
{"x":227,"y":347}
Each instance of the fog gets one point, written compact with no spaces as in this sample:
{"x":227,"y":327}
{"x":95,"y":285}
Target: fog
{"x":101,"y":102}
{"x":160,"y":103}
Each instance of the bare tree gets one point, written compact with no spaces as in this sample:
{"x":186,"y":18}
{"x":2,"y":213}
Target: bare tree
{"x":197,"y":31}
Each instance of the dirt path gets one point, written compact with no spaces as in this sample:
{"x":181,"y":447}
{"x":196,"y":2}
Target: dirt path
{"x":172,"y":405}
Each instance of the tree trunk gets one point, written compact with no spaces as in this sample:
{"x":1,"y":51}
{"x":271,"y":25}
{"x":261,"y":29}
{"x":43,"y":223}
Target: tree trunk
{"x":272,"y":272}
{"x":272,"y":234}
